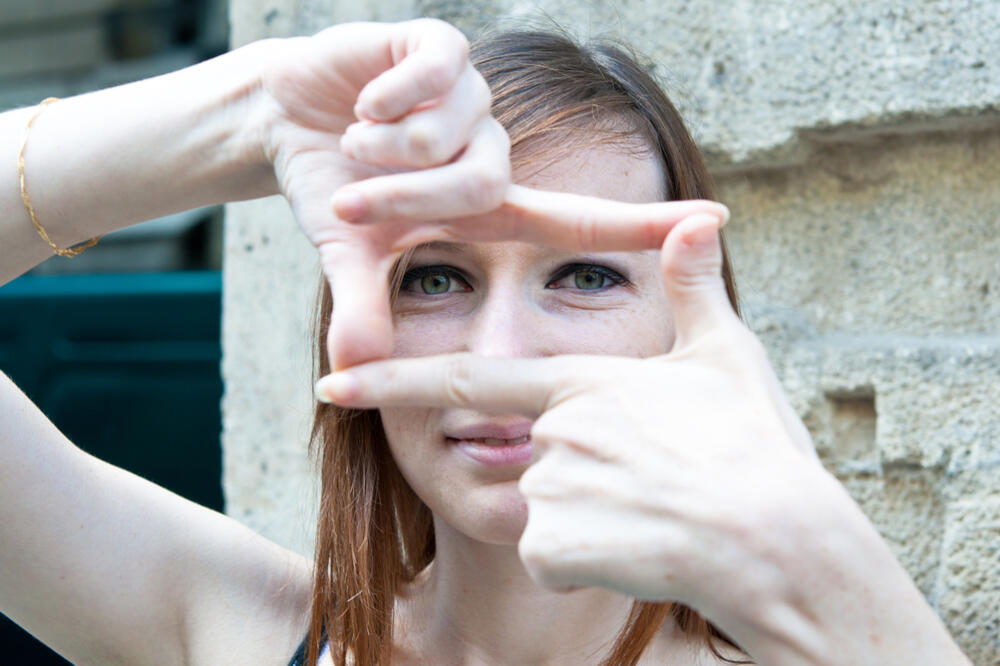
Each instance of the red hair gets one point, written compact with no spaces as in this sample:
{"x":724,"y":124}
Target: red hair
{"x":374,"y":534}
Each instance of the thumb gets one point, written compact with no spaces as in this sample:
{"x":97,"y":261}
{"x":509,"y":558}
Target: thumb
{"x":691,"y":264}
{"x":361,"y":323}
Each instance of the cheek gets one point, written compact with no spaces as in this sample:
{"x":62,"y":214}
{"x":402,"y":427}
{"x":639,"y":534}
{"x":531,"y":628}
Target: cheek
{"x":405,"y":425}
{"x":427,"y":334}
{"x":641,"y":330}
{"x":409,"y":432}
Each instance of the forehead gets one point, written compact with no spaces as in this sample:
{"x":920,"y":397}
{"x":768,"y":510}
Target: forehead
{"x":608,"y":170}
{"x":612,"y":170}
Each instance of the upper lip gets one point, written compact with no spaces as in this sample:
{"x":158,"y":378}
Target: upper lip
{"x":475,"y":432}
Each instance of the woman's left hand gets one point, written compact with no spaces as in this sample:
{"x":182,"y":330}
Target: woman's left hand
{"x":685,"y":477}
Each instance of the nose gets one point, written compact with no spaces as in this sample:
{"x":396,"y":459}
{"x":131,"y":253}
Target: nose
{"x":508,"y":325}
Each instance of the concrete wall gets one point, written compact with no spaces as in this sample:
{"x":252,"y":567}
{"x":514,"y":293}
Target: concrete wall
{"x":858,"y":145}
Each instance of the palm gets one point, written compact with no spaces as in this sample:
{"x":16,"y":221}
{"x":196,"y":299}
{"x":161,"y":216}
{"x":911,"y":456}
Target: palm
{"x":314,"y":90}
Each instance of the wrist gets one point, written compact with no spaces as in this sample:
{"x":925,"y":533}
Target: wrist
{"x":243,"y":114}
{"x":832,"y":591}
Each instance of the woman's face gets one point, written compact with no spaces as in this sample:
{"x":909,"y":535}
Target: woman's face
{"x":518,"y":300}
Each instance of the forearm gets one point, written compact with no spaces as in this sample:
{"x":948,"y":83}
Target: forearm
{"x":841,"y":598}
{"x":105,"y":160}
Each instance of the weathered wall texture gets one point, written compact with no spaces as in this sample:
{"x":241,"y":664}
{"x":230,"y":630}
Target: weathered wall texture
{"x":858,"y":145}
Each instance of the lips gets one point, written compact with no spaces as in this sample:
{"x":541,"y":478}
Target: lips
{"x":494,"y":441}
{"x":494,"y":444}
{"x":492,"y":434}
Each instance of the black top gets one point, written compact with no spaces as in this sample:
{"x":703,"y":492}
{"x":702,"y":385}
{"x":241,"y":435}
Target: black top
{"x":299,"y":658}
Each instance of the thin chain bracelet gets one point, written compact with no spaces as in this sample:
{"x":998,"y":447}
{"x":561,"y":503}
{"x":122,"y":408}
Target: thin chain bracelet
{"x":62,"y":252}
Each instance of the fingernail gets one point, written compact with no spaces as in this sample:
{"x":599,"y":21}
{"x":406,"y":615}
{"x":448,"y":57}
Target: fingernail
{"x":349,"y":205}
{"x":725,"y":214}
{"x":338,"y":387}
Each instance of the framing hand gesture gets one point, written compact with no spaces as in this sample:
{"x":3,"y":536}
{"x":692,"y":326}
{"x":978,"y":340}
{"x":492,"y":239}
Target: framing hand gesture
{"x":683,"y":477}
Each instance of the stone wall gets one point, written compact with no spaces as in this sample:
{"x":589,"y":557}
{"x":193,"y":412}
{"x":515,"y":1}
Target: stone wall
{"x":858,"y":145}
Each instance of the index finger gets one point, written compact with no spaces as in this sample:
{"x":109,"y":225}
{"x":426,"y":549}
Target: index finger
{"x":583,"y":223}
{"x":434,"y":200}
{"x":504,"y":385}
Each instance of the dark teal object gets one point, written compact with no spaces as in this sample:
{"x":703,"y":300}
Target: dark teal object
{"x":127,"y":366}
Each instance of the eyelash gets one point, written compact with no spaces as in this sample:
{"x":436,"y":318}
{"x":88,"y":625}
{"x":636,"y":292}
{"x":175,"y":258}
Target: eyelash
{"x":420,"y":272}
{"x":614,"y":277}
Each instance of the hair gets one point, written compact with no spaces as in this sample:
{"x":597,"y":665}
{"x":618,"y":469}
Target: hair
{"x":374,"y":535}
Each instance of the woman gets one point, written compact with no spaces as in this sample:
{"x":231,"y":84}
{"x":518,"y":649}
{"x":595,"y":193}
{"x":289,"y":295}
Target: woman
{"x":107,"y":568}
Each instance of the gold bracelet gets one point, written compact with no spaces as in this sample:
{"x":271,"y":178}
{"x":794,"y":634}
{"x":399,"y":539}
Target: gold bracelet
{"x":62,"y":252}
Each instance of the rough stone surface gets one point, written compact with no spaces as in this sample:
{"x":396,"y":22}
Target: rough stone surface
{"x":270,"y":275}
{"x":763,"y":82}
{"x":857,"y":144}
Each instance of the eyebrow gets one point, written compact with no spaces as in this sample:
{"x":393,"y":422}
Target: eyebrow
{"x":444,"y":246}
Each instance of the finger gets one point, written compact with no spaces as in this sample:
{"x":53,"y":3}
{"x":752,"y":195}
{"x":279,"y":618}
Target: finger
{"x":691,"y":263}
{"x":443,"y":197}
{"x":473,"y":184}
{"x":361,"y":324}
{"x":427,"y":138}
{"x":583,"y":223}
{"x":431,"y":56}
{"x":525,"y":386}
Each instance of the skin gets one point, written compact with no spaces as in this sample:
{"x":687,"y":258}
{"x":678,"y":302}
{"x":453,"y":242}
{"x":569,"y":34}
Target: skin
{"x":107,"y":568}
{"x":100,"y":564}
{"x":476,"y":604}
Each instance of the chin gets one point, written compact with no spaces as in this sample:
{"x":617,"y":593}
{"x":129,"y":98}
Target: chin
{"x":494,"y":514}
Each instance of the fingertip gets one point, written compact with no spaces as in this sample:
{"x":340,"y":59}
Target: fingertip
{"x":340,"y":387}
{"x":349,"y":205}
{"x":366,"y":110}
{"x":725,"y":214}
{"x":360,"y":112}
{"x":700,"y":230}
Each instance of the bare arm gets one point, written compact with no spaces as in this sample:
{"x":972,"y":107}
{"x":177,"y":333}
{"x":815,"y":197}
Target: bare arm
{"x":106,"y":567}
{"x":102,"y":161}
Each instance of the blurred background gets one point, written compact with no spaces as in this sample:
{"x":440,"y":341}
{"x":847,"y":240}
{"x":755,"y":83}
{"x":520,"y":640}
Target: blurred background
{"x":120,"y":345}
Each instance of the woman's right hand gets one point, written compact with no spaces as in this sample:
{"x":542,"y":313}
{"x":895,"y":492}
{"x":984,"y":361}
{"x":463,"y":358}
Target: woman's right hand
{"x":397,"y":113}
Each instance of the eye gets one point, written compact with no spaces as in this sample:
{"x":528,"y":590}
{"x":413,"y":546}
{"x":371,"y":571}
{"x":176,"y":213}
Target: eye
{"x":586,"y":277}
{"x":433,"y":281}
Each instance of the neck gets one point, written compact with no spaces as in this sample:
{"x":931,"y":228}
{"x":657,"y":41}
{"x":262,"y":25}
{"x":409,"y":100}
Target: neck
{"x":476,"y":604}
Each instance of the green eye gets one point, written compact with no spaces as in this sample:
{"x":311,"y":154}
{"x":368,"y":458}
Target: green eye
{"x":588,"y":280}
{"x":435,"y":283}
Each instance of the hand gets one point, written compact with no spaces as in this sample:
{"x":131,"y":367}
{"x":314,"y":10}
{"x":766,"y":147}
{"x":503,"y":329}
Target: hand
{"x":365,"y":104}
{"x":381,"y":139}
{"x":686,"y":477}
{"x":651,"y":476}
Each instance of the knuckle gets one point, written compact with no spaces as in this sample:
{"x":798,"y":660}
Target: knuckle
{"x":423,"y":146}
{"x":447,"y":32}
{"x":543,"y":561}
{"x":486,"y":189}
{"x":434,"y":76}
{"x":531,"y":479}
{"x":543,"y":432}
{"x":587,"y":232}
{"x":458,"y":383}
{"x":482,"y":94}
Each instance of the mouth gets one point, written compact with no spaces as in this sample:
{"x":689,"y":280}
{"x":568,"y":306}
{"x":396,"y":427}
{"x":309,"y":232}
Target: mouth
{"x":493,"y":441}
{"x":495,"y":451}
